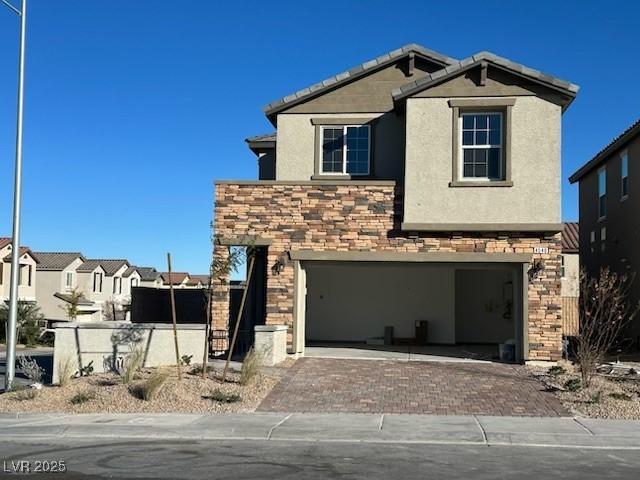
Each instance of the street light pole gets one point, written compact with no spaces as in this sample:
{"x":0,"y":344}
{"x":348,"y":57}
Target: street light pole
{"x":17,"y":197}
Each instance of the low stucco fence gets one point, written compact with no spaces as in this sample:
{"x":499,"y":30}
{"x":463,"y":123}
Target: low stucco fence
{"x":107,"y":344}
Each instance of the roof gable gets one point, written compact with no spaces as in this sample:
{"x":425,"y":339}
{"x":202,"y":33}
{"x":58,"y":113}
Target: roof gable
{"x":565,"y":91}
{"x":411,"y":51}
{"x":109,"y":266}
{"x":57,"y":261}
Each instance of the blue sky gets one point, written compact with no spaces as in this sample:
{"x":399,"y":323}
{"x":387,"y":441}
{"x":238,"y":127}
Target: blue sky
{"x":134,"y":107}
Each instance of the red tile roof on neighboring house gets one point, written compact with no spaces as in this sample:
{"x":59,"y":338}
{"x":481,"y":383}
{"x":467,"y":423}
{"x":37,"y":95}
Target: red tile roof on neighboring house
{"x":175,"y":278}
{"x":195,"y":279}
{"x":4,"y":241}
{"x":570,"y":237}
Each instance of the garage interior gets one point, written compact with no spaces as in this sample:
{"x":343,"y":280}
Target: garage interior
{"x":448,"y":310}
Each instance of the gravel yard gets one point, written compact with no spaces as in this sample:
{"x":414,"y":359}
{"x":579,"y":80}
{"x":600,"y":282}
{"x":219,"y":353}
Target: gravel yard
{"x":614,"y":396}
{"x":106,"y":393}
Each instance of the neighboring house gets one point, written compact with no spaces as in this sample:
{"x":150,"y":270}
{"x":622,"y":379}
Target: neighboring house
{"x":132,"y":277}
{"x":102,"y":281}
{"x":198,"y":281}
{"x":26,"y":277}
{"x":609,"y":199}
{"x":149,"y":277}
{"x":57,"y":279}
{"x":570,"y":278}
{"x":411,"y":188}
{"x":175,"y":279}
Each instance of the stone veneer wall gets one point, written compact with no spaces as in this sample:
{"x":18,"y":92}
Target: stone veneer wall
{"x":366,"y":217}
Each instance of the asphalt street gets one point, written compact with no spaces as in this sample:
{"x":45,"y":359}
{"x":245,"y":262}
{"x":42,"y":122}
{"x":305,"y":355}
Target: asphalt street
{"x":98,"y":459}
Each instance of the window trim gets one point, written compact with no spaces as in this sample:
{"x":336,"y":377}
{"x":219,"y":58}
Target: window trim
{"x":481,"y":105}
{"x":320,"y":123}
{"x":344,"y":172}
{"x":481,"y":147}
{"x":68,"y":275}
{"x":624,"y":159}
{"x":601,"y":215}
{"x":101,"y":277}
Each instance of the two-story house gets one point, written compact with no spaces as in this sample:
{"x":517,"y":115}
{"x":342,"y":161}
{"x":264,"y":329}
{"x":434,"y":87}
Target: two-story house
{"x":414,"y":198}
{"x":26,"y":275}
{"x":101,"y":280}
{"x":57,"y":278}
{"x":609,"y":202}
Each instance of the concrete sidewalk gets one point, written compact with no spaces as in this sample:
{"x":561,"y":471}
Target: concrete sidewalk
{"x":427,"y":429}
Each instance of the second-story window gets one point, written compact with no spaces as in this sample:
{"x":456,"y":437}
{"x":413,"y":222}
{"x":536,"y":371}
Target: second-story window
{"x":482,"y":146}
{"x":97,"y":282}
{"x":117,"y":285}
{"x":624,"y":174}
{"x":134,"y":282}
{"x":346,"y":150}
{"x":602,"y":193}
{"x":68,"y":280}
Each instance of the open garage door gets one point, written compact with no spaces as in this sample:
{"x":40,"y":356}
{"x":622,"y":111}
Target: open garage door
{"x":418,"y":305}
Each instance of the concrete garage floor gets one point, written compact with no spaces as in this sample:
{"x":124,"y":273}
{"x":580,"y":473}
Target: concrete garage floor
{"x":431,"y":353}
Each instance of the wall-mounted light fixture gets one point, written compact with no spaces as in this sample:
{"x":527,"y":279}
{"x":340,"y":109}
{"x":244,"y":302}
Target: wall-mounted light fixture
{"x":535,"y":270}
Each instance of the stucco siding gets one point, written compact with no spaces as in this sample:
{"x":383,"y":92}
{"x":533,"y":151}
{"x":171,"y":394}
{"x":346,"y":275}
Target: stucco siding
{"x":535,"y":168}
{"x":296,"y":145}
{"x":570,"y":282}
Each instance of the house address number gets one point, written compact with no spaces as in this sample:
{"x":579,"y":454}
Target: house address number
{"x":540,"y":249}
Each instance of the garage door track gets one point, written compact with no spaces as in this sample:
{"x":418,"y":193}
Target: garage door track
{"x":324,"y":385}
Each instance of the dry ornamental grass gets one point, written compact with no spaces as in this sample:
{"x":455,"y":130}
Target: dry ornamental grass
{"x":106,"y":393}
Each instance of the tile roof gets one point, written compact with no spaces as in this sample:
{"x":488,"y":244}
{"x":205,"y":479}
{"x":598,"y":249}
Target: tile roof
{"x":267,"y":137}
{"x":148,"y":273}
{"x":470,"y":62}
{"x":570,"y":237}
{"x":356,"y":72}
{"x":4,"y":241}
{"x":630,"y":133}
{"x":110,"y":266}
{"x":129,"y":271}
{"x":54,"y":261}
{"x":195,"y":279}
{"x":175,"y":278}
{"x":23,"y":250}
{"x":82,"y":301}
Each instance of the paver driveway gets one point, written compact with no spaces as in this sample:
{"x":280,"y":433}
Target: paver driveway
{"x":322,"y":385}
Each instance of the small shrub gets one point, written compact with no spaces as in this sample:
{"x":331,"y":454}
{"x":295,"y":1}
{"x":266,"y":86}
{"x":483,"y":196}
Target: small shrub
{"x":596,"y":397}
{"x":132,"y":364}
{"x":82,"y":397}
{"x":196,"y":370}
{"x":557,"y":370}
{"x":620,"y":396}
{"x":250,"y":367}
{"x":87,"y":369}
{"x":25,"y":394}
{"x":219,"y":396}
{"x":186,"y":360}
{"x":573,"y":385}
{"x":149,"y":389}
{"x":66,"y":370}
{"x":31,"y":369}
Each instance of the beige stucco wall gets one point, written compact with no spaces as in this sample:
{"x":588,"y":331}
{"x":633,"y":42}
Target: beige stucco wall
{"x":535,"y":166}
{"x":25,"y":292}
{"x":570,"y":283}
{"x":296,"y":144}
{"x":51,"y":282}
{"x":101,"y":342}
